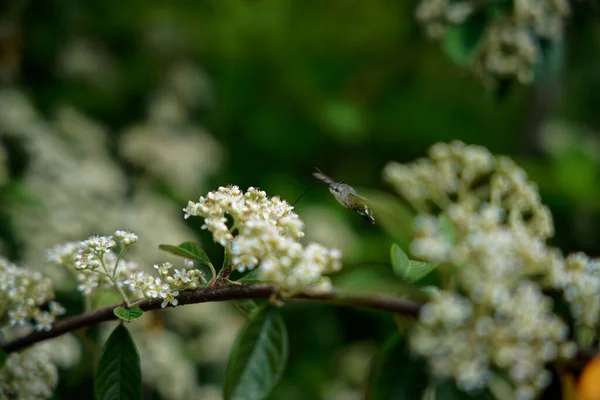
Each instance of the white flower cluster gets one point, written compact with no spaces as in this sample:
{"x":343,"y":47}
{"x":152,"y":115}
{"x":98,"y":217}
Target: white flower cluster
{"x":480,"y":216}
{"x":71,"y":151}
{"x":468,"y":342}
{"x":579,"y":278}
{"x":22,"y":294}
{"x":166,"y":286}
{"x":97,"y":261}
{"x":29,"y":374}
{"x":510,"y":46}
{"x":265,"y":233}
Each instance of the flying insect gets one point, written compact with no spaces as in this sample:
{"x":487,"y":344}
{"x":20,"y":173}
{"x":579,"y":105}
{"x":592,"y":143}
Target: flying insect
{"x":346,"y":196}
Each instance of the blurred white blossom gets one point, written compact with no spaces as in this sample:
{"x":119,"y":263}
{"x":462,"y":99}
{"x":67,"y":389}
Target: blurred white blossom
{"x":84,"y":59}
{"x":483,"y":222}
{"x":510,"y":46}
{"x":29,"y":374}
{"x":209,"y":330}
{"x":64,"y":351}
{"x":73,"y":187}
{"x":169,"y":144}
{"x":26,"y":302}
{"x":22,"y":294}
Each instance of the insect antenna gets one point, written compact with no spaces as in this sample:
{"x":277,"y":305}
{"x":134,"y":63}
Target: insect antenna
{"x":303,"y":193}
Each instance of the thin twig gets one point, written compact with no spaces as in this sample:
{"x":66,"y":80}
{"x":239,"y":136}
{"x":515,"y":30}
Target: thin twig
{"x":212,"y":294}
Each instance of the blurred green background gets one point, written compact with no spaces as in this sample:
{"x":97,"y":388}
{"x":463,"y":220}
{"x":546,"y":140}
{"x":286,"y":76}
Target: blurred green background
{"x":113,"y":114}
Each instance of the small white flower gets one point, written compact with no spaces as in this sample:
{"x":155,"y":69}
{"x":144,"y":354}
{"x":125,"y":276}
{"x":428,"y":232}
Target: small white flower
{"x":135,"y":280}
{"x":182,"y":275}
{"x":43,"y":322}
{"x":163,"y":267}
{"x":56,"y":309}
{"x":88,"y":285}
{"x":169,"y":297}
{"x":17,"y":317}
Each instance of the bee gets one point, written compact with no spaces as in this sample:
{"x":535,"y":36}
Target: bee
{"x":346,"y":196}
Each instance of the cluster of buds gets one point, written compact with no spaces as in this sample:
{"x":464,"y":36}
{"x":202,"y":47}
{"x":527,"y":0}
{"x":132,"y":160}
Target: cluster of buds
{"x":166,"y":286}
{"x":97,"y":262}
{"x":264,"y":234}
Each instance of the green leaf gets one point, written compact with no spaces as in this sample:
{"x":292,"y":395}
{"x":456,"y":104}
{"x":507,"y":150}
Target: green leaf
{"x":396,"y":374}
{"x":399,"y":261}
{"x":258,"y":357}
{"x":251,"y":277}
{"x":245,"y":306}
{"x":461,"y":41}
{"x":189,"y":250}
{"x":3,"y":358}
{"x":409,"y":270}
{"x":128,"y":314}
{"x":417,"y":270}
{"x":119,"y":375}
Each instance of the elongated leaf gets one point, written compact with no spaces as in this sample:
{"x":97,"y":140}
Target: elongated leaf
{"x":399,"y":261}
{"x":128,"y":314}
{"x":245,"y":306}
{"x":396,"y":374}
{"x":258,"y":357}
{"x":189,"y":250}
{"x":119,"y":375}
{"x":251,"y":277}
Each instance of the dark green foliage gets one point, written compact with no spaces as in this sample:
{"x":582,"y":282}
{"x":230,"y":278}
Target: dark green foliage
{"x":258,"y":357}
{"x":396,"y":374}
{"x":119,"y":375}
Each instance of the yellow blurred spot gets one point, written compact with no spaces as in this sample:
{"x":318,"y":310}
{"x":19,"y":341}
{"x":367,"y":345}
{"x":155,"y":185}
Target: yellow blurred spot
{"x":588,"y":387}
